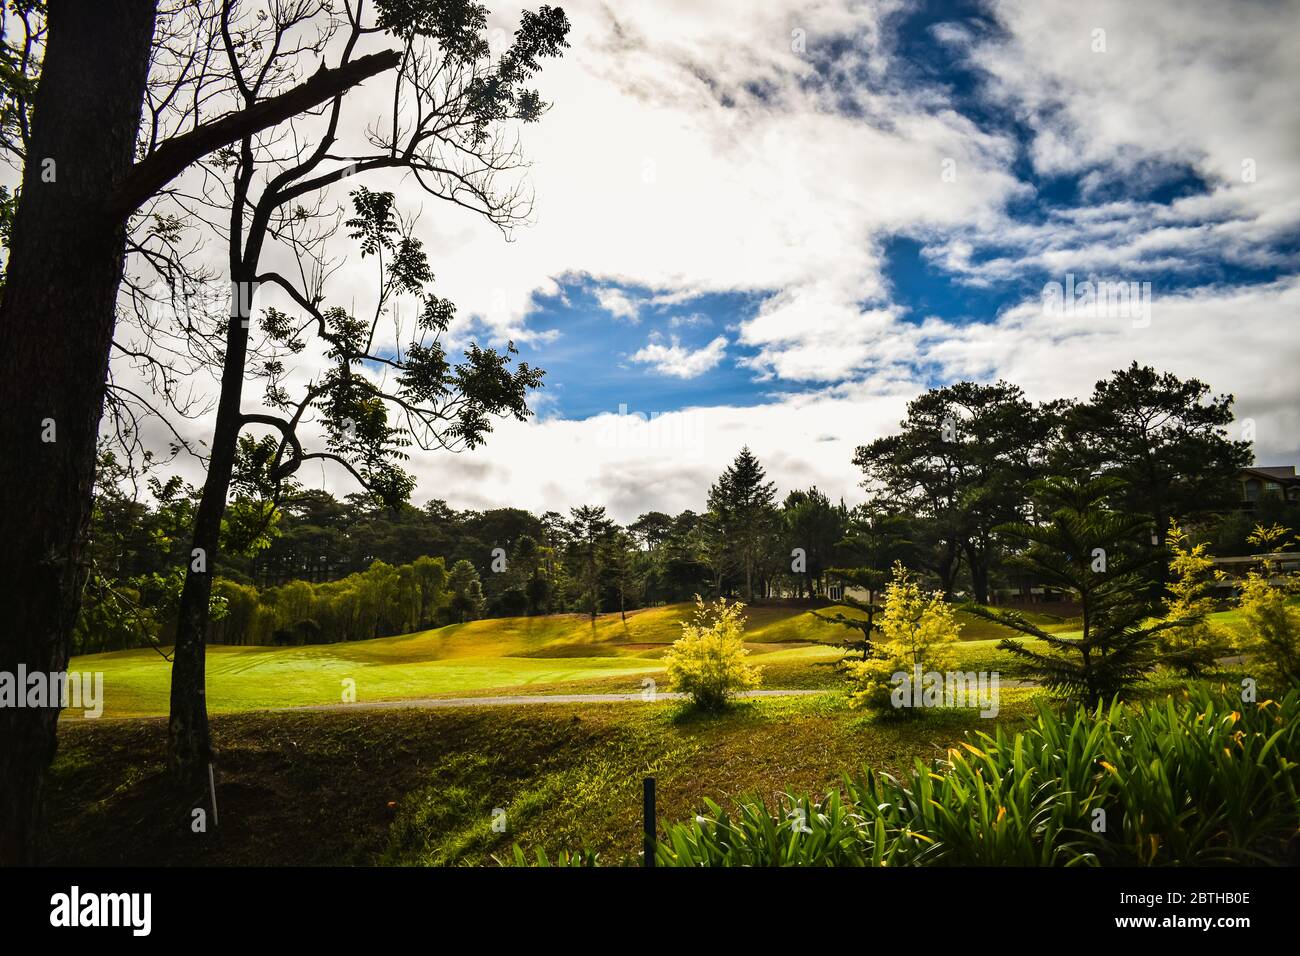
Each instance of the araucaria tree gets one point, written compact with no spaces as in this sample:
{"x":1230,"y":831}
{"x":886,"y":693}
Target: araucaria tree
{"x":384,"y":385}
{"x":1099,"y":557}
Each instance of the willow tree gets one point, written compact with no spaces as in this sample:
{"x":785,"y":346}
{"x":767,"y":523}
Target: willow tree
{"x":379,"y":384}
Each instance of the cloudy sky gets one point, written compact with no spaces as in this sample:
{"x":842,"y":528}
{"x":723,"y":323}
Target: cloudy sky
{"x":775,"y":223}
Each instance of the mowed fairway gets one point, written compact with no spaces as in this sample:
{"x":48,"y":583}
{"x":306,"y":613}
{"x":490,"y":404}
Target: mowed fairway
{"x":560,"y":653}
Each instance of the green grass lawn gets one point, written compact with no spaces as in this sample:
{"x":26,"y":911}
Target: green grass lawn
{"x":557,"y":654}
{"x":566,"y":653}
{"x":413,"y":786}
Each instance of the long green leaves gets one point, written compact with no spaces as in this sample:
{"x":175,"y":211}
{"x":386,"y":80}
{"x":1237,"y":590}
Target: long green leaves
{"x":1205,"y":781}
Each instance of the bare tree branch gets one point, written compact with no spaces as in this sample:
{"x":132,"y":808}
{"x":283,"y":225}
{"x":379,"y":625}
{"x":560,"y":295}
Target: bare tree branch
{"x":155,"y":171}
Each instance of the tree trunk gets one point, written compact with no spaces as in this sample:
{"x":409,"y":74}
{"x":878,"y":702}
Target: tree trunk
{"x":979,"y":574}
{"x":56,"y":326}
{"x":189,"y":747}
{"x":948,"y":567}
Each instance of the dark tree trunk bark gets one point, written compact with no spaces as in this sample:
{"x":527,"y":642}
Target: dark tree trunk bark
{"x":56,"y":326}
{"x":948,"y":567}
{"x":189,"y":747}
{"x":979,"y":573}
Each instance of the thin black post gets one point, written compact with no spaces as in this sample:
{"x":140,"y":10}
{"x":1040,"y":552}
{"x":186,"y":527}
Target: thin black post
{"x":648,"y":818}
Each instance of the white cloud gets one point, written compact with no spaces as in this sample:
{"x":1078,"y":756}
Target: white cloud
{"x":617,"y":303}
{"x":1201,"y":85}
{"x":679,"y":361}
{"x":689,"y":152}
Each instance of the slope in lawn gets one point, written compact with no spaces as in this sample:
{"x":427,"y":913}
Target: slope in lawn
{"x":563,"y":652}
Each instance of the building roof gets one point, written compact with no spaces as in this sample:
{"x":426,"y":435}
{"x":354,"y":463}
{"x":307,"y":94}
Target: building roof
{"x":1276,"y":472}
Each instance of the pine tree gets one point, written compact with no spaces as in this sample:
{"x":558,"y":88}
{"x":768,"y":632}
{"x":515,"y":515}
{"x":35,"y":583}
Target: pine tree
{"x":742,"y":518}
{"x":589,"y":531}
{"x":466,"y":591}
{"x":1093,"y":553}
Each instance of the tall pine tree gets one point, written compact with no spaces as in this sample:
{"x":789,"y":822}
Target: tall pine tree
{"x":742,"y":517}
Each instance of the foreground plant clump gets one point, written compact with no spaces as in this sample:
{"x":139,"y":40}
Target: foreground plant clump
{"x":708,"y":660}
{"x":1206,"y":780}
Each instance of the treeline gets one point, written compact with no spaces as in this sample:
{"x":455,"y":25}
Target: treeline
{"x":379,"y":601}
{"x":959,"y":467}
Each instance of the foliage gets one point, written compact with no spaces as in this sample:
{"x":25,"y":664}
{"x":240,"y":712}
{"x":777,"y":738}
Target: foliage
{"x":1194,"y":647}
{"x":1091,"y":552}
{"x":872,"y":582}
{"x":916,"y":630}
{"x":742,"y":520}
{"x":380,"y":601}
{"x":708,"y":660}
{"x":1164,"y":437}
{"x":959,"y":465}
{"x":1196,"y":782}
{"x":812,"y":524}
{"x":589,"y":531}
{"x":1271,"y":621}
{"x":466,"y":592}
{"x":564,"y":858}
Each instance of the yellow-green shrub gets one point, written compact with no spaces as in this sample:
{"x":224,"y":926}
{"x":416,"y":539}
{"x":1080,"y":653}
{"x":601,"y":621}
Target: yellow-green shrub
{"x":1195,"y":645}
{"x":916,"y":629}
{"x":1271,"y":622}
{"x":708,"y":660}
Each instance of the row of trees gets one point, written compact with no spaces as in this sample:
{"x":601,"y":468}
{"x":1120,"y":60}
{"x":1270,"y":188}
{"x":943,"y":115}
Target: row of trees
{"x":963,"y":460}
{"x":582,"y":562}
{"x":1083,"y":546}
{"x":961,"y":468}
{"x":380,"y":601}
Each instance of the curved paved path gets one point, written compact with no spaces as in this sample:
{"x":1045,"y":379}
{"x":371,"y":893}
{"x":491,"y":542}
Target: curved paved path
{"x":520,"y":699}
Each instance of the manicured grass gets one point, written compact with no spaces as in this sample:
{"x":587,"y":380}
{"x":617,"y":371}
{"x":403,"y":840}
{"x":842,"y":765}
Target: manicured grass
{"x":137,"y":683}
{"x":419,"y":786}
{"x":558,"y":654}
{"x":500,"y":655}
{"x":982,"y":629}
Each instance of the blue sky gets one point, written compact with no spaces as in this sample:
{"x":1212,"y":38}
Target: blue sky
{"x":607,"y":341}
{"x":780,"y":223}
{"x":775,"y":224}
{"x":591,"y":366}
